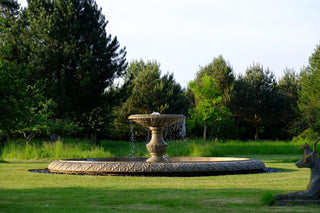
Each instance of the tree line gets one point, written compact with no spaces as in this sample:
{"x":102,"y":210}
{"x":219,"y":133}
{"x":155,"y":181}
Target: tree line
{"x":58,"y":72}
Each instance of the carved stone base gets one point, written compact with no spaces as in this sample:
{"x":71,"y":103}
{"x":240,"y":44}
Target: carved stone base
{"x":176,"y":166}
{"x":158,"y":159}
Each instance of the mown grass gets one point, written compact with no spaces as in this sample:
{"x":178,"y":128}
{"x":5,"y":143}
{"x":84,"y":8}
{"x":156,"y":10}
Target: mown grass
{"x":24,"y":191}
{"x":74,"y":148}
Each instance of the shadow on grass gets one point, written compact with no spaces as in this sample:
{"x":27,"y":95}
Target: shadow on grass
{"x":152,"y":174}
{"x":2,"y":161}
{"x":286,"y":170}
{"x":80,"y":199}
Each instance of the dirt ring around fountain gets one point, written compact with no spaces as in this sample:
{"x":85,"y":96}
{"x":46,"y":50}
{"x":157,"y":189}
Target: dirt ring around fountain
{"x":177,"y":166}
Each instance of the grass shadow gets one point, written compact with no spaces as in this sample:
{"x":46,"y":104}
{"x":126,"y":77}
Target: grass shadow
{"x":286,"y":170}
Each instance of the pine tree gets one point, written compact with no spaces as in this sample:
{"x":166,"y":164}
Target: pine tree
{"x":73,"y":51}
{"x":289,"y":85}
{"x":145,"y":91}
{"x":255,"y":99}
{"x":309,"y":95}
{"x":220,"y":71}
{"x":66,"y":45}
{"x":9,"y":8}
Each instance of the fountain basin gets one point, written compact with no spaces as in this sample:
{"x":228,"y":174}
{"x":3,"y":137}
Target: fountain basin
{"x":156,"y":120}
{"x":175,"y":166}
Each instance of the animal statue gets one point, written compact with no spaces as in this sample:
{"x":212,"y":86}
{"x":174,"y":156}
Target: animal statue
{"x":310,"y":160}
{"x":306,"y":148}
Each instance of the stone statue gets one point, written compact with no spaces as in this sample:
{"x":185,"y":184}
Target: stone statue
{"x":306,"y":149}
{"x":311,"y":159}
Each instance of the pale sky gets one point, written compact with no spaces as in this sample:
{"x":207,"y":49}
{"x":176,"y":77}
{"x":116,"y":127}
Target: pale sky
{"x":183,"y":35}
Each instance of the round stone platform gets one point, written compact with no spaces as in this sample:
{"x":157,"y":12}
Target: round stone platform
{"x":177,"y":166}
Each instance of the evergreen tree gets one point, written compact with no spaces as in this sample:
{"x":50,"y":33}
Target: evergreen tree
{"x":146,"y":92}
{"x":65,"y":43}
{"x":289,"y":87}
{"x":221,"y":72}
{"x":9,"y":8}
{"x":309,"y":95}
{"x":255,"y":99}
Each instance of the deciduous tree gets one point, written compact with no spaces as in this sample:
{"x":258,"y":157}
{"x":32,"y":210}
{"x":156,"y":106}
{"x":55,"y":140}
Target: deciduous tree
{"x":209,"y":111}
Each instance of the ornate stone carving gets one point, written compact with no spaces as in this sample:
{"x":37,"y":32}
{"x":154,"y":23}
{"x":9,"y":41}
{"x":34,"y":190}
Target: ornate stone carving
{"x":175,"y":165}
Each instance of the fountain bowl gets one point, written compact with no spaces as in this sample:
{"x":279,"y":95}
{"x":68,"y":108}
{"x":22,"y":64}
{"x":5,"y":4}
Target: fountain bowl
{"x":156,"y":120}
{"x":175,"y":166}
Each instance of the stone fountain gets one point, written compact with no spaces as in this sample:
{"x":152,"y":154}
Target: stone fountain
{"x":157,"y":164}
{"x":157,"y":122}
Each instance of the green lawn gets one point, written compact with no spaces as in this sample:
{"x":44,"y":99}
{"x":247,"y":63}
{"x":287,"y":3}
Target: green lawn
{"x":24,"y":191}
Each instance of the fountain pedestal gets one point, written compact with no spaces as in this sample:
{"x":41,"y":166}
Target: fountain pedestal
{"x":157,"y":146}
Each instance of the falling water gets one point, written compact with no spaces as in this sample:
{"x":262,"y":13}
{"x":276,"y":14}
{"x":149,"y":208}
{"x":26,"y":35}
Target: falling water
{"x":132,"y":143}
{"x":176,"y":131}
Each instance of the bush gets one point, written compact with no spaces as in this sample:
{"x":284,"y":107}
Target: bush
{"x":307,"y":136}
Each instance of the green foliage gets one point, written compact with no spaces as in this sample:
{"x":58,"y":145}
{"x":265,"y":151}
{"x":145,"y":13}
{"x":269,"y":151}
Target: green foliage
{"x":309,"y":95}
{"x":24,"y":109}
{"x":219,"y":70}
{"x":289,"y":86}
{"x":9,"y":8}
{"x":35,"y":117}
{"x":255,"y":99}
{"x":146,"y":91}
{"x":209,"y":111}
{"x":66,"y":46}
{"x":13,"y":89}
{"x":306,"y":136}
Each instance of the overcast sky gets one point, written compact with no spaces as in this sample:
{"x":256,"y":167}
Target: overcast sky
{"x":183,"y":35}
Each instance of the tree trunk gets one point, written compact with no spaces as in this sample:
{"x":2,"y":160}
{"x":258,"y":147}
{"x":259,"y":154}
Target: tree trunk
{"x":205,"y":132}
{"x":256,"y":135}
{"x":27,"y":137}
{"x":256,"y":124}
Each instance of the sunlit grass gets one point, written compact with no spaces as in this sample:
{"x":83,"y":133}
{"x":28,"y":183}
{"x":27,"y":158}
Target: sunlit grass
{"x":23,"y":191}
